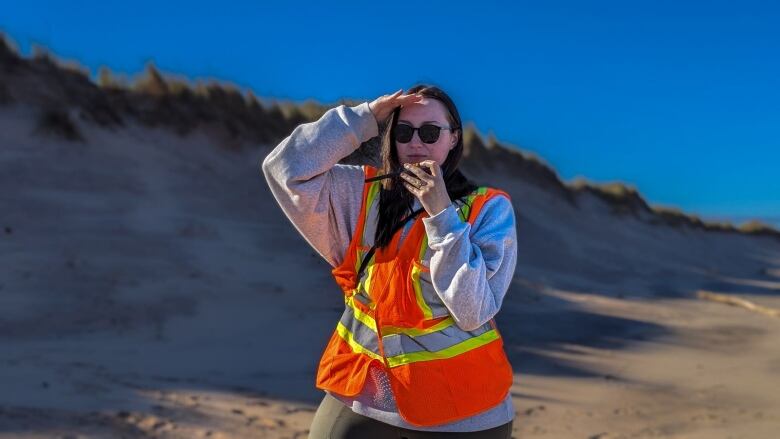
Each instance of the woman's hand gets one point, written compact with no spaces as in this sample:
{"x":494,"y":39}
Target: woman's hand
{"x":429,"y":188}
{"x":382,"y":106}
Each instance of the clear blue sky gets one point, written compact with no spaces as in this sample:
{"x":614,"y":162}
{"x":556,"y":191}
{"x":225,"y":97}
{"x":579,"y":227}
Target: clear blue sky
{"x":680,"y":99}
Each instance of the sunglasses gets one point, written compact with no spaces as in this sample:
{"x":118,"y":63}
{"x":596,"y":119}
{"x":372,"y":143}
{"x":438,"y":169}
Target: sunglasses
{"x":428,"y":133}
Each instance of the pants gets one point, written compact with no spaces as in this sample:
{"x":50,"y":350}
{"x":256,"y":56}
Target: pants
{"x":334,"y":420}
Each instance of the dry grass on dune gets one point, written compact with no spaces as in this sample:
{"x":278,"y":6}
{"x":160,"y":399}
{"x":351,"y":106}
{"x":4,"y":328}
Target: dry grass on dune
{"x":234,"y":118}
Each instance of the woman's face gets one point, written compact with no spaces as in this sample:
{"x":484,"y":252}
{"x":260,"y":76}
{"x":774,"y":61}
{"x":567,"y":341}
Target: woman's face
{"x":426,"y":111}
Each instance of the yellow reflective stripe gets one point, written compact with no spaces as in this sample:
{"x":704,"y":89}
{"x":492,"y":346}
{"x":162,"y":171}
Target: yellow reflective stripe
{"x":360,"y":315}
{"x":364,"y":284}
{"x":358,"y":260}
{"x":355,"y":346}
{"x":449,"y":352}
{"x":465,"y":210}
{"x":372,"y":191}
{"x":369,"y":275}
{"x":418,"y":294}
{"x":423,"y":247}
{"x":414,"y":332}
{"x":362,"y":298}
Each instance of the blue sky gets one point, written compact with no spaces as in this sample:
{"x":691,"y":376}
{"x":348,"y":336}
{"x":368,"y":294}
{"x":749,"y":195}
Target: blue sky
{"x":679,"y":99}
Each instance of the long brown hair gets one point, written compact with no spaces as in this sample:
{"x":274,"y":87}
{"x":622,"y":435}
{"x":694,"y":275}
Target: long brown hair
{"x":395,"y":201}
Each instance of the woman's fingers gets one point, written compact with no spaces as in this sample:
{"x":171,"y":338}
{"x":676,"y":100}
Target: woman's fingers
{"x":412,"y":189}
{"x":385,"y":104}
{"x":411,"y":97}
{"x":432,"y":165}
{"x":416,"y":182}
{"x":395,"y":95}
{"x":421,"y":174}
{"x":398,"y":97}
{"x":400,"y":100}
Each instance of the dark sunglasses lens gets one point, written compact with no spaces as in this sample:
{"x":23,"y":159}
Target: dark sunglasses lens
{"x":429,"y":133}
{"x":403,"y":133}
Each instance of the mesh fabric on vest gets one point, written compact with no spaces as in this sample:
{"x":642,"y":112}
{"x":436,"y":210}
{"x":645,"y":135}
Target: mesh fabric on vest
{"x":378,"y":387}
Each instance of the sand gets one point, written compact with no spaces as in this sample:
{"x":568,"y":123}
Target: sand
{"x":150,"y":287}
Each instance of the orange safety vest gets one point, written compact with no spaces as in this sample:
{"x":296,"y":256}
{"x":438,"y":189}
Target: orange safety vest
{"x":438,"y":372}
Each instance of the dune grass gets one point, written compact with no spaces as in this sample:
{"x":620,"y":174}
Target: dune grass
{"x":238,"y":117}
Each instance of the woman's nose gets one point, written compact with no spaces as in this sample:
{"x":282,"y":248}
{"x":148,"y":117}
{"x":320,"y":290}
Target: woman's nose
{"x":416,"y":141}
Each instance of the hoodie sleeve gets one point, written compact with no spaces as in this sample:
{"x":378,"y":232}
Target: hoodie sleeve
{"x":472,"y":267}
{"x":317,"y":194}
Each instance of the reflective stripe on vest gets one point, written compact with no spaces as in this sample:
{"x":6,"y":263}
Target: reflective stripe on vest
{"x":408,"y":345}
{"x":359,"y":331}
{"x":451,"y":341}
{"x":369,"y":228}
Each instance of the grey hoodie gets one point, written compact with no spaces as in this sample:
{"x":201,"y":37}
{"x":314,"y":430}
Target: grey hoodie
{"x":471,"y":267}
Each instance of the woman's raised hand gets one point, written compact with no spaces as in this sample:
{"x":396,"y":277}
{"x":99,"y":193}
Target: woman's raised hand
{"x":384,"y":105}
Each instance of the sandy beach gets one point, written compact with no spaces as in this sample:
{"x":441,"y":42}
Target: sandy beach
{"x":151,"y":288}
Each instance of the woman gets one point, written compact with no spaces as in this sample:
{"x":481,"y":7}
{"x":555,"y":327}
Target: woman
{"x":424,"y":258}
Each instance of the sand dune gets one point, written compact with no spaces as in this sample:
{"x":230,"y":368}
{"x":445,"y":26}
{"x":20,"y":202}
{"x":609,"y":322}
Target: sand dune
{"x":151,"y":287}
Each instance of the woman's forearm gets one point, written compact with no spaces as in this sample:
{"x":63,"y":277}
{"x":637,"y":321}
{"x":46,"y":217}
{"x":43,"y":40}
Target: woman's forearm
{"x":471,"y":271}
{"x":320,"y":197}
